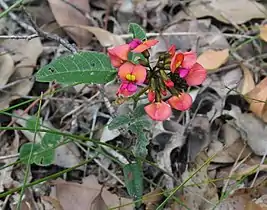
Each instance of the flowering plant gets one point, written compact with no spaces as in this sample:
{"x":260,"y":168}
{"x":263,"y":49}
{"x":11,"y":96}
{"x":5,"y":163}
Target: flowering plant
{"x":164,"y":83}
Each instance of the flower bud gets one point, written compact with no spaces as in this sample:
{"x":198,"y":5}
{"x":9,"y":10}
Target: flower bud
{"x":169,"y":83}
{"x":146,"y":54}
{"x":143,"y":62}
{"x":151,"y":95}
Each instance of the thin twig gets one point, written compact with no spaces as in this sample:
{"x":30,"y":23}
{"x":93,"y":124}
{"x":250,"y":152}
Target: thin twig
{"x":126,"y":36}
{"x":9,"y":156}
{"x":53,"y":37}
{"x":27,"y":37}
{"x":15,"y":18}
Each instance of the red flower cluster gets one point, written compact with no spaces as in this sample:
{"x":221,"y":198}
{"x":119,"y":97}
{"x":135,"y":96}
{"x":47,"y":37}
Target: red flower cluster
{"x":172,"y":68}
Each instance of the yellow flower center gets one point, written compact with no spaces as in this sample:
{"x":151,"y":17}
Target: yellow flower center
{"x":178,"y":64}
{"x":130,"y":77}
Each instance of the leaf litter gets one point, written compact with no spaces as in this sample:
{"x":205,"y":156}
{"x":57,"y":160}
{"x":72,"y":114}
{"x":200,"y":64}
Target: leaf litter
{"x":226,"y":123}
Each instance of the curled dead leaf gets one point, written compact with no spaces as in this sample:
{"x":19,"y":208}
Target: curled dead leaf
{"x":26,"y":54}
{"x":263,"y":32}
{"x":212,"y":59}
{"x":248,"y":82}
{"x":257,"y":99}
{"x":68,"y":15}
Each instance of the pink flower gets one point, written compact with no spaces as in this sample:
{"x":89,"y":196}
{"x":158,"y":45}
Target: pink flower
{"x":134,"y":43}
{"x":118,"y":55}
{"x":187,"y":67}
{"x":139,"y":48}
{"x":182,"y":102}
{"x":171,"y":50}
{"x":176,"y":61}
{"x":158,"y":111}
{"x":127,"y":89}
{"x":131,"y":75}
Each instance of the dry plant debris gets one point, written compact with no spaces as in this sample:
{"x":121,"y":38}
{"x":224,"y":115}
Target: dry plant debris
{"x":214,"y":153}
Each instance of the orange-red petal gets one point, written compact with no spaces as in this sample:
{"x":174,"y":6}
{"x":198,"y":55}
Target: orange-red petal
{"x":190,"y":58}
{"x":176,"y":61}
{"x":196,"y":75}
{"x":182,"y":102}
{"x":158,"y":111}
{"x":145,"y":45}
{"x":126,"y":68}
{"x":139,"y":72}
{"x":115,"y":61}
{"x":171,"y":50}
{"x":120,"y":51}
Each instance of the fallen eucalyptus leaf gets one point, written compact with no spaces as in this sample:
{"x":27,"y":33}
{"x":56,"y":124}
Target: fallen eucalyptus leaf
{"x":212,"y":59}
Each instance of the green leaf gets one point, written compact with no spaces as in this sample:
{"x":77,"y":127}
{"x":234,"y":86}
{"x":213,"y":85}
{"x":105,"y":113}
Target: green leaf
{"x":45,"y":157}
{"x":119,"y":121}
{"x":33,"y":123}
{"x":133,"y":178}
{"x":83,"y":67}
{"x":135,"y":57}
{"x":25,"y":150}
{"x":40,"y":155}
{"x":137,"y":31}
{"x":50,"y":140}
{"x":139,"y":111}
{"x":142,"y":141}
{"x":140,"y":123}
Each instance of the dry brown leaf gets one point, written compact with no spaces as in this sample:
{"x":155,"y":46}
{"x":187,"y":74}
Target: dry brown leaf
{"x":263,"y":32}
{"x":250,"y":205}
{"x":26,"y":53}
{"x":152,"y":199}
{"x":242,"y":199}
{"x":228,"y":11}
{"x":248,"y":170}
{"x":212,"y":59}
{"x":105,"y":38}
{"x":230,"y":153}
{"x":248,"y":82}
{"x":6,"y":68}
{"x":67,"y":15}
{"x":52,"y":201}
{"x":80,"y":196}
{"x":98,"y":203}
{"x":252,"y":130}
{"x":257,"y":98}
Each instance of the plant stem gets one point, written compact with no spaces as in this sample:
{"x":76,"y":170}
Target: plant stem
{"x":10,"y":8}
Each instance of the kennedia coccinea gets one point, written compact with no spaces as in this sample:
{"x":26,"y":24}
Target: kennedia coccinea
{"x":172,"y":70}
